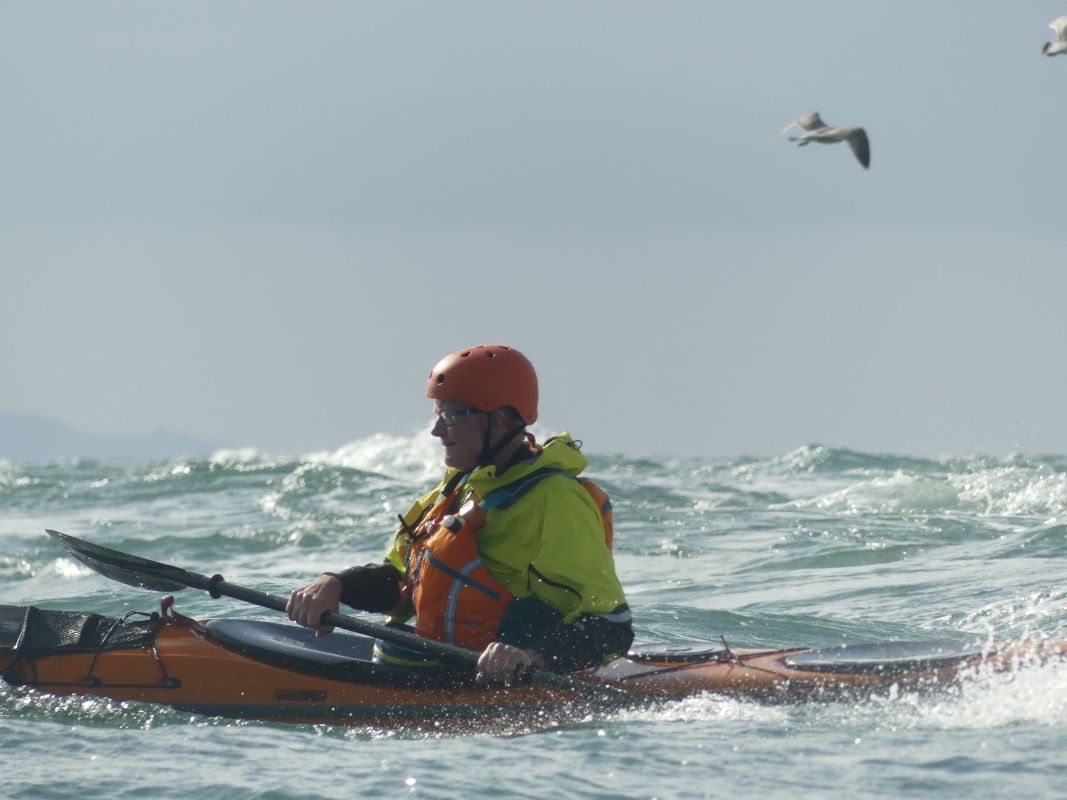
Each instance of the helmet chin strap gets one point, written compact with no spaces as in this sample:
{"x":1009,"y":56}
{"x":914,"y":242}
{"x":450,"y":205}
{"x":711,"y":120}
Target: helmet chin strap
{"x":489,"y":451}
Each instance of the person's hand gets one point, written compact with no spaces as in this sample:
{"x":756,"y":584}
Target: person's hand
{"x":499,"y":661}
{"x":307,"y":604}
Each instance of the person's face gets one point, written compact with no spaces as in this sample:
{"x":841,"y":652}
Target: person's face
{"x":461,"y":432}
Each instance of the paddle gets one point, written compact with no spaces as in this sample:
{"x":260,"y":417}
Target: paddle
{"x":146,"y":574}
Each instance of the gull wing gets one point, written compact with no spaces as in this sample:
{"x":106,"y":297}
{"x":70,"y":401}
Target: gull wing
{"x":1060,"y":26}
{"x":811,"y":122}
{"x":861,"y":147}
{"x":808,"y":122}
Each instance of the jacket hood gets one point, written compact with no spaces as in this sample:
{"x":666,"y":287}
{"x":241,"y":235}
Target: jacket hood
{"x":559,"y":452}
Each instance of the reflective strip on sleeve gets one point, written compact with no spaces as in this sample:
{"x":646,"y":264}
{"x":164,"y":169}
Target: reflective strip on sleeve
{"x":620,"y":614}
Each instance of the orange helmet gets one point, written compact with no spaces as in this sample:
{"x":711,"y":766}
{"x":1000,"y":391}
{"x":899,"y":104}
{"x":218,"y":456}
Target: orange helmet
{"x":489,"y":376}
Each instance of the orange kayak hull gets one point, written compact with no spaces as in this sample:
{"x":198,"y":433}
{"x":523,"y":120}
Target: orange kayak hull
{"x":189,"y":666}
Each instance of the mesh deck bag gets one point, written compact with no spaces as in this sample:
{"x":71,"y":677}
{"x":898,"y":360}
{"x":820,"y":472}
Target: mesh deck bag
{"x":32,"y":632}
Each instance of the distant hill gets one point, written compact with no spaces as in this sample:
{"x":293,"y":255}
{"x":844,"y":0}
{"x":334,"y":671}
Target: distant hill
{"x":29,"y":437}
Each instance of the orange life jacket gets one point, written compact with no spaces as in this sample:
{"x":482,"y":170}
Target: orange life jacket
{"x":455,"y":597}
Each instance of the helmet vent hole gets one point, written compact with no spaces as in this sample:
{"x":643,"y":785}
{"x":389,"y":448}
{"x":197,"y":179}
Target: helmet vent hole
{"x":465,"y":354}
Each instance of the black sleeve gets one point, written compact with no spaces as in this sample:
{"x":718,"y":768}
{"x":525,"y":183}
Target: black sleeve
{"x":372,"y":587}
{"x":586,"y":642}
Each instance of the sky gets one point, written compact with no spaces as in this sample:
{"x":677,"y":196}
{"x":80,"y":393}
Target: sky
{"x":262,"y":223}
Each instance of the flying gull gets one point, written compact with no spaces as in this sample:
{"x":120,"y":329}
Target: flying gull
{"x":815,"y":130}
{"x":1060,"y":45}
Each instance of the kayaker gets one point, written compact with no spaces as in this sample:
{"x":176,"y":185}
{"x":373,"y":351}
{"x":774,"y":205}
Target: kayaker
{"x":510,"y":554}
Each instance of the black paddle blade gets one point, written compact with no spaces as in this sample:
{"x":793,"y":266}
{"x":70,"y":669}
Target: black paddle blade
{"x":123,"y":567}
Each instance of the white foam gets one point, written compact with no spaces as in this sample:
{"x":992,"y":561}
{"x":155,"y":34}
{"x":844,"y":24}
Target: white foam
{"x":996,"y":491}
{"x":898,"y":491}
{"x":67,"y":568}
{"x":8,"y":476}
{"x":239,"y":455}
{"x":1012,"y":491}
{"x":175,"y":469}
{"x":1023,"y":615}
{"x":416,"y":457}
{"x":706,"y":707}
{"x":985,"y":700}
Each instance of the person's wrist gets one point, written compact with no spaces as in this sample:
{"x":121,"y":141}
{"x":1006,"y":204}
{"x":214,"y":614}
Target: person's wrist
{"x":336,"y":577}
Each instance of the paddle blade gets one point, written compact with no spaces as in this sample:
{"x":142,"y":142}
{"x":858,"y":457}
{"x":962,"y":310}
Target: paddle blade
{"x":123,"y":567}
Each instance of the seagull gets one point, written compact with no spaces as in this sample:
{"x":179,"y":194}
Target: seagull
{"x":1060,"y":45}
{"x":819,"y":131}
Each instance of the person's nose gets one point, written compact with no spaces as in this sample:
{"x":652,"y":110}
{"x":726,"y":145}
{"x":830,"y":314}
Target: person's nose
{"x":438,"y":428}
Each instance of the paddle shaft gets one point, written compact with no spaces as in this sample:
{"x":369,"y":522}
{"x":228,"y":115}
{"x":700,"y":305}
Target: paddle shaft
{"x":156,"y":576}
{"x":447,"y":652}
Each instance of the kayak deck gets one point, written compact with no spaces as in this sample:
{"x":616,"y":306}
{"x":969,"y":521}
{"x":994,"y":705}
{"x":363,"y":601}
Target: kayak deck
{"x":266,"y":670}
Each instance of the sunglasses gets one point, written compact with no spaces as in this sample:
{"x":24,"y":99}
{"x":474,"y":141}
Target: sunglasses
{"x":449,"y":417}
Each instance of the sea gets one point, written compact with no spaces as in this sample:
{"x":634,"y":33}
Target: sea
{"x":819,"y":546}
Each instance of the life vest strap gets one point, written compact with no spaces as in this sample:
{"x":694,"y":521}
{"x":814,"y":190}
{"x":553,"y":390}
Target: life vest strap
{"x":463,"y":577}
{"x":506,"y":496}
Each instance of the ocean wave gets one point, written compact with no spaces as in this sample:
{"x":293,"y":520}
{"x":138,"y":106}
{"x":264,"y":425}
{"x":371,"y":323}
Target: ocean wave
{"x":414,"y":458}
{"x":1033,"y":614}
{"x":819,"y":458}
{"x":1005,"y":490}
{"x":842,"y":481}
{"x":1013,"y":491}
{"x":243,"y":458}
